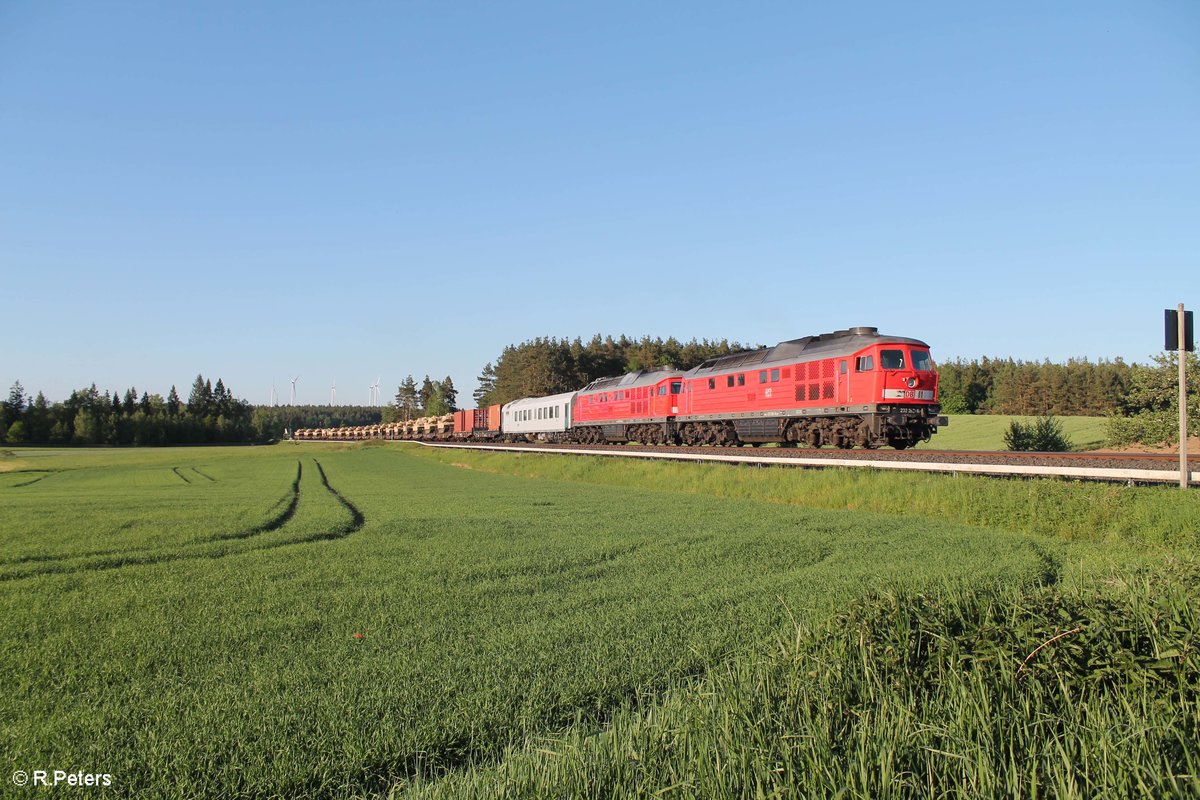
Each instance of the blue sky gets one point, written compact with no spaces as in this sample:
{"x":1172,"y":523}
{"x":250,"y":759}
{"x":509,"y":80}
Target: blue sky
{"x":345,"y":191}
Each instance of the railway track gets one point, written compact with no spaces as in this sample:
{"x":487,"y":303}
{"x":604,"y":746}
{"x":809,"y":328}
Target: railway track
{"x":1100,"y":466}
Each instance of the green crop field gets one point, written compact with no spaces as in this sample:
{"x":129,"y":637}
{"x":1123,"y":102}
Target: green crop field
{"x":986,"y":432}
{"x":347,"y":621}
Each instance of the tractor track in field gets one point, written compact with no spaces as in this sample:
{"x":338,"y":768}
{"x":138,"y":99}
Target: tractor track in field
{"x":203,"y":474}
{"x":45,"y":473}
{"x":141,"y":556}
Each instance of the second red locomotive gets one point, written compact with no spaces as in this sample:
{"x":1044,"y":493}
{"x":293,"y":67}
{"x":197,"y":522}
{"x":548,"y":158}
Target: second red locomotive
{"x":847,"y":388}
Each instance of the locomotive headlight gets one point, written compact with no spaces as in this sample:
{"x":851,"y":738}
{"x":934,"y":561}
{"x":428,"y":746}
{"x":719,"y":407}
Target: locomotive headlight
{"x":911,"y":381}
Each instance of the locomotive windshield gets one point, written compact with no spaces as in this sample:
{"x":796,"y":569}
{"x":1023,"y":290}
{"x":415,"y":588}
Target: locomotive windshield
{"x":892,"y":359}
{"x":921,"y":360}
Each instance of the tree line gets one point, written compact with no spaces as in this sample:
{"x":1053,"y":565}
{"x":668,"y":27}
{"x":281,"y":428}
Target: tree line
{"x":546,"y":366}
{"x":211,"y":415}
{"x":1006,"y":386}
{"x":432,"y":399}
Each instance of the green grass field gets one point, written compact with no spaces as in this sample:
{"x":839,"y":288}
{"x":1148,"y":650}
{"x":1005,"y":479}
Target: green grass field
{"x":346,"y":621}
{"x":986,"y":432}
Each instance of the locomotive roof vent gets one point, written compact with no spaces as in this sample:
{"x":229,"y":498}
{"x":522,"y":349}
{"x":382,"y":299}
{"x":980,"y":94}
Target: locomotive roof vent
{"x":865,"y":331}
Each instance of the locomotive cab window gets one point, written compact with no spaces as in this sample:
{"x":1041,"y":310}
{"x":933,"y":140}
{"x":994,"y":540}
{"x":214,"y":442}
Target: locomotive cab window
{"x":675,"y":386}
{"x":662,"y":391}
{"x":891,"y":359}
{"x":921,"y":360}
{"x":864,"y":364}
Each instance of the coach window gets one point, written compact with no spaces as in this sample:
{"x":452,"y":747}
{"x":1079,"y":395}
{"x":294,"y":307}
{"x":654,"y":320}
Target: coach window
{"x":891,"y":359}
{"x":729,"y":381}
{"x":762,"y":376}
{"x":865,"y":364}
{"x":742,"y":379}
{"x":774,"y":376}
{"x":712,"y":383}
{"x":921,"y":360}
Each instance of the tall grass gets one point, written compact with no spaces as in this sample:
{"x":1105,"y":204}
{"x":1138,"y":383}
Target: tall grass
{"x":1095,"y":512}
{"x":963,"y":692}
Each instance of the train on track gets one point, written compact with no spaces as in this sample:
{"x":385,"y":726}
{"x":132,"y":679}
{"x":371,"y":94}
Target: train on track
{"x":848,"y":388}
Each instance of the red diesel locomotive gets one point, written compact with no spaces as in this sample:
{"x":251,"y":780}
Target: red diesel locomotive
{"x":847,"y":388}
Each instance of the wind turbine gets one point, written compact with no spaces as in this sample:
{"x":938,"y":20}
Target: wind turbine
{"x":333,"y":394}
{"x":294,"y":389}
{"x":375,"y":390}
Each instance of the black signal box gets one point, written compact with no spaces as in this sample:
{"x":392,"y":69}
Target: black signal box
{"x":1172,"y":330}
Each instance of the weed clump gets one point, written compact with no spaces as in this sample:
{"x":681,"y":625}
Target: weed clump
{"x":1043,"y":435}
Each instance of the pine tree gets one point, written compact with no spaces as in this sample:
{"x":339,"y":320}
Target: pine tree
{"x":436,"y":405}
{"x":406,"y":399}
{"x":221,"y":399}
{"x":487,"y":386}
{"x":425,"y":395}
{"x":173,"y":402}
{"x":199,"y":402}
{"x":449,"y":394}
{"x":38,"y":419}
{"x":11,"y":409}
